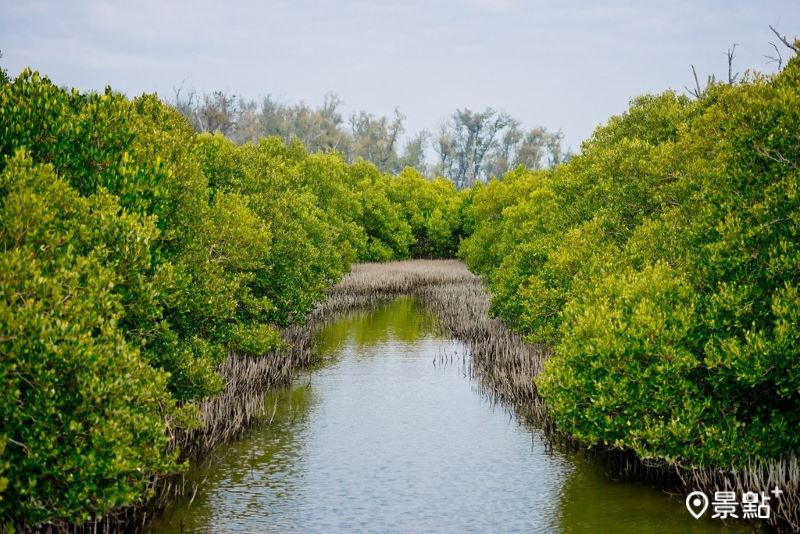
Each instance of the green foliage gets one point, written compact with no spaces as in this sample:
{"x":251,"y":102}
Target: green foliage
{"x":431,"y":209}
{"x":625,"y":173}
{"x":83,"y":413}
{"x":662,"y":266}
{"x":388,"y":233}
{"x":135,"y":256}
{"x":310,"y":250}
{"x":3,"y":74}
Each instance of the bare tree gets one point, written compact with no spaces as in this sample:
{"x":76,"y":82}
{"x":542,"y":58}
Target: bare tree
{"x":696,"y":91}
{"x":533,"y":149}
{"x":474,"y":146}
{"x":777,"y":58}
{"x":699,"y":91}
{"x":783,"y":39}
{"x":414,"y":153}
{"x":731,"y":76}
{"x":248,"y":124}
{"x":554,"y":153}
{"x":218,"y":113}
{"x":375,"y":139}
{"x":444,"y":146}
{"x":471,"y":146}
{"x":185,"y":103}
{"x":505,"y":154}
{"x":465,"y":142}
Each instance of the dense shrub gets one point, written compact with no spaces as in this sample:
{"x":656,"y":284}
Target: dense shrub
{"x":84,"y":415}
{"x":136,"y":255}
{"x":662,"y":265}
{"x":520,"y":240}
{"x":431,"y":209}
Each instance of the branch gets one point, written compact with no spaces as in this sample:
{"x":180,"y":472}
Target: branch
{"x":776,"y":59}
{"x":696,"y":91}
{"x":731,"y":76}
{"x":783,"y":39}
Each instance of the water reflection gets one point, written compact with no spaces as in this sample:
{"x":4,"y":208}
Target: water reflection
{"x":241,"y":482}
{"x":593,"y":502}
{"x":381,"y":440}
{"x":402,"y":320}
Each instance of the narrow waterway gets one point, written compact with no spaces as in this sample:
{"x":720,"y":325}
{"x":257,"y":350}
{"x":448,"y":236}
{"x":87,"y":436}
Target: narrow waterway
{"x":390,"y":434}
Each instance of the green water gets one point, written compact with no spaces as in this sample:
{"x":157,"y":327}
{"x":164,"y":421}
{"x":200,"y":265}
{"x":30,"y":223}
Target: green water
{"x":391,"y":435}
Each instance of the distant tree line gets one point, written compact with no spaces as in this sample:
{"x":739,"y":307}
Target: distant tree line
{"x":470,"y":147}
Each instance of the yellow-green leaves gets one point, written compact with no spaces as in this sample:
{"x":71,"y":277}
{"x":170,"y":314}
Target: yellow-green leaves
{"x":83,"y":413}
{"x":661,"y":264}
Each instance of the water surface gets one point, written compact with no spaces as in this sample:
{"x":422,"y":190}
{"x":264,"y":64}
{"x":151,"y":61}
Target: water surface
{"x":391,"y":435}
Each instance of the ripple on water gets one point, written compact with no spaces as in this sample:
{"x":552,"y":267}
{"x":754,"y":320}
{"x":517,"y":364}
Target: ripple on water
{"x":382,"y":439}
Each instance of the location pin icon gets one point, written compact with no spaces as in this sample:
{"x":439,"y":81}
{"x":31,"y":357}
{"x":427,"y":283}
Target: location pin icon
{"x":697,"y":503}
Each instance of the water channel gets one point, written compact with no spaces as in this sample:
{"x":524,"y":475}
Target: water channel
{"x":390,"y":434}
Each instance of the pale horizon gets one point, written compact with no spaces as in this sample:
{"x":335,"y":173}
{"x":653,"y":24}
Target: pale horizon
{"x":564,"y":68}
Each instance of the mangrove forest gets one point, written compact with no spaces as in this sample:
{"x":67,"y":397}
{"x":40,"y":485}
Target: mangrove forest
{"x":203,"y":328}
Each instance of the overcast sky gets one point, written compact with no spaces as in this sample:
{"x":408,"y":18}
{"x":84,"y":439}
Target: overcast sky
{"x":565,"y":66}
